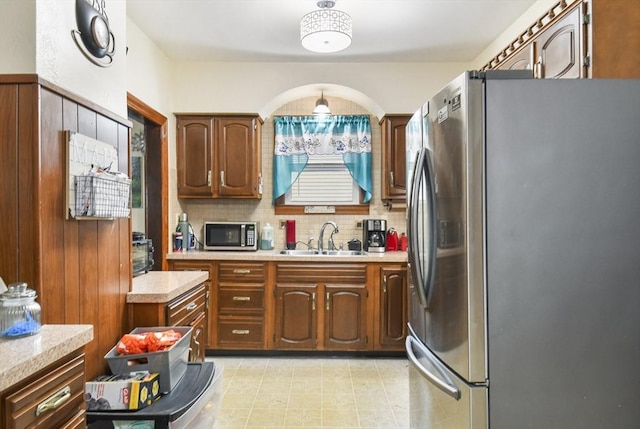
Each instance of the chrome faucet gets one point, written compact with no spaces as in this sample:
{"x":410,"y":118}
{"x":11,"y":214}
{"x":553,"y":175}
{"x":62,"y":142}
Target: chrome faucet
{"x":321,"y":238}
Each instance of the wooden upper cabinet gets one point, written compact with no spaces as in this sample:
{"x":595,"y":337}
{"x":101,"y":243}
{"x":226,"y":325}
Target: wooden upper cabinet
{"x":394,"y":178}
{"x":578,"y":39}
{"x":522,"y":60}
{"x":219,"y":156}
{"x":237,"y":150}
{"x":559,"y":49}
{"x":195,"y":157}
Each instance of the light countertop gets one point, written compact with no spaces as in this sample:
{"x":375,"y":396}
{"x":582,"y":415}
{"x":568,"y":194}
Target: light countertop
{"x":22,"y":357}
{"x":273,"y":255}
{"x":163,"y":286}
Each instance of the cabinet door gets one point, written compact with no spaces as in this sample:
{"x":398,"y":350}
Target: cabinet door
{"x":238,"y":157}
{"x":393,"y":307}
{"x":195,"y":157}
{"x":394,"y":177}
{"x":296,"y":316}
{"x":345,"y":321}
{"x":559,"y":48}
{"x":522,"y":60}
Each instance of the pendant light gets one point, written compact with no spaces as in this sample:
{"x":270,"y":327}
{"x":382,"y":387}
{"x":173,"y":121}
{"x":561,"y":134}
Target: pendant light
{"x":322,"y":106}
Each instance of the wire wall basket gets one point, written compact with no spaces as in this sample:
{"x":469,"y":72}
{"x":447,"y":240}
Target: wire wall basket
{"x":103,"y":197}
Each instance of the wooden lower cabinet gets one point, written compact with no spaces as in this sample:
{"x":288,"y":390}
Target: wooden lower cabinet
{"x":51,"y":398}
{"x":240,"y":305}
{"x":393,"y":311}
{"x":209,"y":267}
{"x":321,"y":307}
{"x":188,"y":309}
{"x":305,"y":306}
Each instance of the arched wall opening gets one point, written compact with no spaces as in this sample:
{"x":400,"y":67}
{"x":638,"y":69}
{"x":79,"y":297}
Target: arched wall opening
{"x":314,"y":90}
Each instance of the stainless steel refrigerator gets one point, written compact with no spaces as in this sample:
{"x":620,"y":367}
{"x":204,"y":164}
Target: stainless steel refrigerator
{"x":524,"y":254}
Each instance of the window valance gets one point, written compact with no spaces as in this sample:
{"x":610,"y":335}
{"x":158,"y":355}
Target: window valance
{"x":298,"y":137}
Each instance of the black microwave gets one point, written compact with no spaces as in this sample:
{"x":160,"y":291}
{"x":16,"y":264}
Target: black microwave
{"x":231,"y":236}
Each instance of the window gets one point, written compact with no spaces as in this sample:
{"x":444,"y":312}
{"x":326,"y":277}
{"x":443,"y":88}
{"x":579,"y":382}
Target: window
{"x":325,"y":180}
{"x":322,"y":161}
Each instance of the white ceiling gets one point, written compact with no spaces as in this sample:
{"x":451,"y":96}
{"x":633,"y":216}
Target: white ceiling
{"x":269,"y":30}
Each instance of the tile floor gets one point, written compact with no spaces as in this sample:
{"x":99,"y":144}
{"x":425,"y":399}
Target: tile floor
{"x":284,"y":392}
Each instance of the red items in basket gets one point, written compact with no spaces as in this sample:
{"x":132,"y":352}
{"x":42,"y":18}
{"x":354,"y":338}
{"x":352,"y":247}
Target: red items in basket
{"x":144,"y":342}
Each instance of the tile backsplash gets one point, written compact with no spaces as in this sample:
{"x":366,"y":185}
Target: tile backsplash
{"x":307,"y":226}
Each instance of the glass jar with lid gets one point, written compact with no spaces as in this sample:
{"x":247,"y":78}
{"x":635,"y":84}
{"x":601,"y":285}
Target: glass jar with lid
{"x":19,"y":312}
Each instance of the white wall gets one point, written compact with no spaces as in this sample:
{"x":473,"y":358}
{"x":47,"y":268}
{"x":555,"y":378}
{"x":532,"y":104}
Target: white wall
{"x":17,"y":36}
{"x":35,"y":37}
{"x":250,"y":87}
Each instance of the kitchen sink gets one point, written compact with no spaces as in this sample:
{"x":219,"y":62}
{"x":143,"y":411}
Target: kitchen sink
{"x":324,"y":253}
{"x":295,"y":252}
{"x":344,"y":252}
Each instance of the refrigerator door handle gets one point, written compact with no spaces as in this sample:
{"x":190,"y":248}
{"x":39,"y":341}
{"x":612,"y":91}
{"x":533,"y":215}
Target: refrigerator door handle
{"x":448,"y":388}
{"x":412,"y":228}
{"x":432,"y":245}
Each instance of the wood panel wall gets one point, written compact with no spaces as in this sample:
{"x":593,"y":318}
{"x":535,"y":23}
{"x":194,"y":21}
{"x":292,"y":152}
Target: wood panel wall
{"x":80,"y":269}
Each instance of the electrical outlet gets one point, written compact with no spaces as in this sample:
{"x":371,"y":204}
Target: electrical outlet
{"x":359,"y":225}
{"x":283,"y":224}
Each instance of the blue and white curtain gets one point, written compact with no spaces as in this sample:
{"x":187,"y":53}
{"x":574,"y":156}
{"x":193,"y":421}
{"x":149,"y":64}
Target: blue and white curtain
{"x":297,"y":137}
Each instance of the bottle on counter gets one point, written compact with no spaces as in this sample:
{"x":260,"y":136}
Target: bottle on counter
{"x":267,"y":237}
{"x":404,"y":243}
{"x":183,"y":227}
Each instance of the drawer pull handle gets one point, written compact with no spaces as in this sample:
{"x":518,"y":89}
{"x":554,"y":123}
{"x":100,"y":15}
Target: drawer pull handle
{"x":191,"y":306}
{"x":240,"y":332}
{"x":241,"y":271}
{"x":54,"y":401}
{"x":242,"y":298}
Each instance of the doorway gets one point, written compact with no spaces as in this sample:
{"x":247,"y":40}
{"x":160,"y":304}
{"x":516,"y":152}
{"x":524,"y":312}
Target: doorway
{"x":149,"y":170}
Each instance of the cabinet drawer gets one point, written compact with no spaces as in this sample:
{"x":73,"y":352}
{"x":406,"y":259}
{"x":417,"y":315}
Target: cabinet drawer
{"x":240,"y":333}
{"x":325,"y":273}
{"x":240,"y":299}
{"x":51,"y":401}
{"x":182,"y":310}
{"x":245,"y":272}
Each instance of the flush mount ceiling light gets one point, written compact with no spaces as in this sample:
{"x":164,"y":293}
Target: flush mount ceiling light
{"x":322,"y":106}
{"x":325,"y":30}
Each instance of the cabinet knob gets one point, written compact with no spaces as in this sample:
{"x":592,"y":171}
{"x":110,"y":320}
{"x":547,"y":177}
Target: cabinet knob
{"x":240,"y":332}
{"x":191,"y":306}
{"x":209,"y":178}
{"x":241,"y":298}
{"x":241,"y":271}
{"x":222,"y":178}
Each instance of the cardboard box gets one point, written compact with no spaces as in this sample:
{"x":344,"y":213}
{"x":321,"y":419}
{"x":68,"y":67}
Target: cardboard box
{"x":131,"y":391}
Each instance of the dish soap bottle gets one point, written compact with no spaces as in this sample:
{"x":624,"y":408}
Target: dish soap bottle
{"x":267,"y":237}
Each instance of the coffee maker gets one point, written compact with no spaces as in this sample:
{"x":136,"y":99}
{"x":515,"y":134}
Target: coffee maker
{"x":374,"y":235}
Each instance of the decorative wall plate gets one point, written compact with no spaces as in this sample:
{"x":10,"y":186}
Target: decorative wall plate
{"x":93,"y":36}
